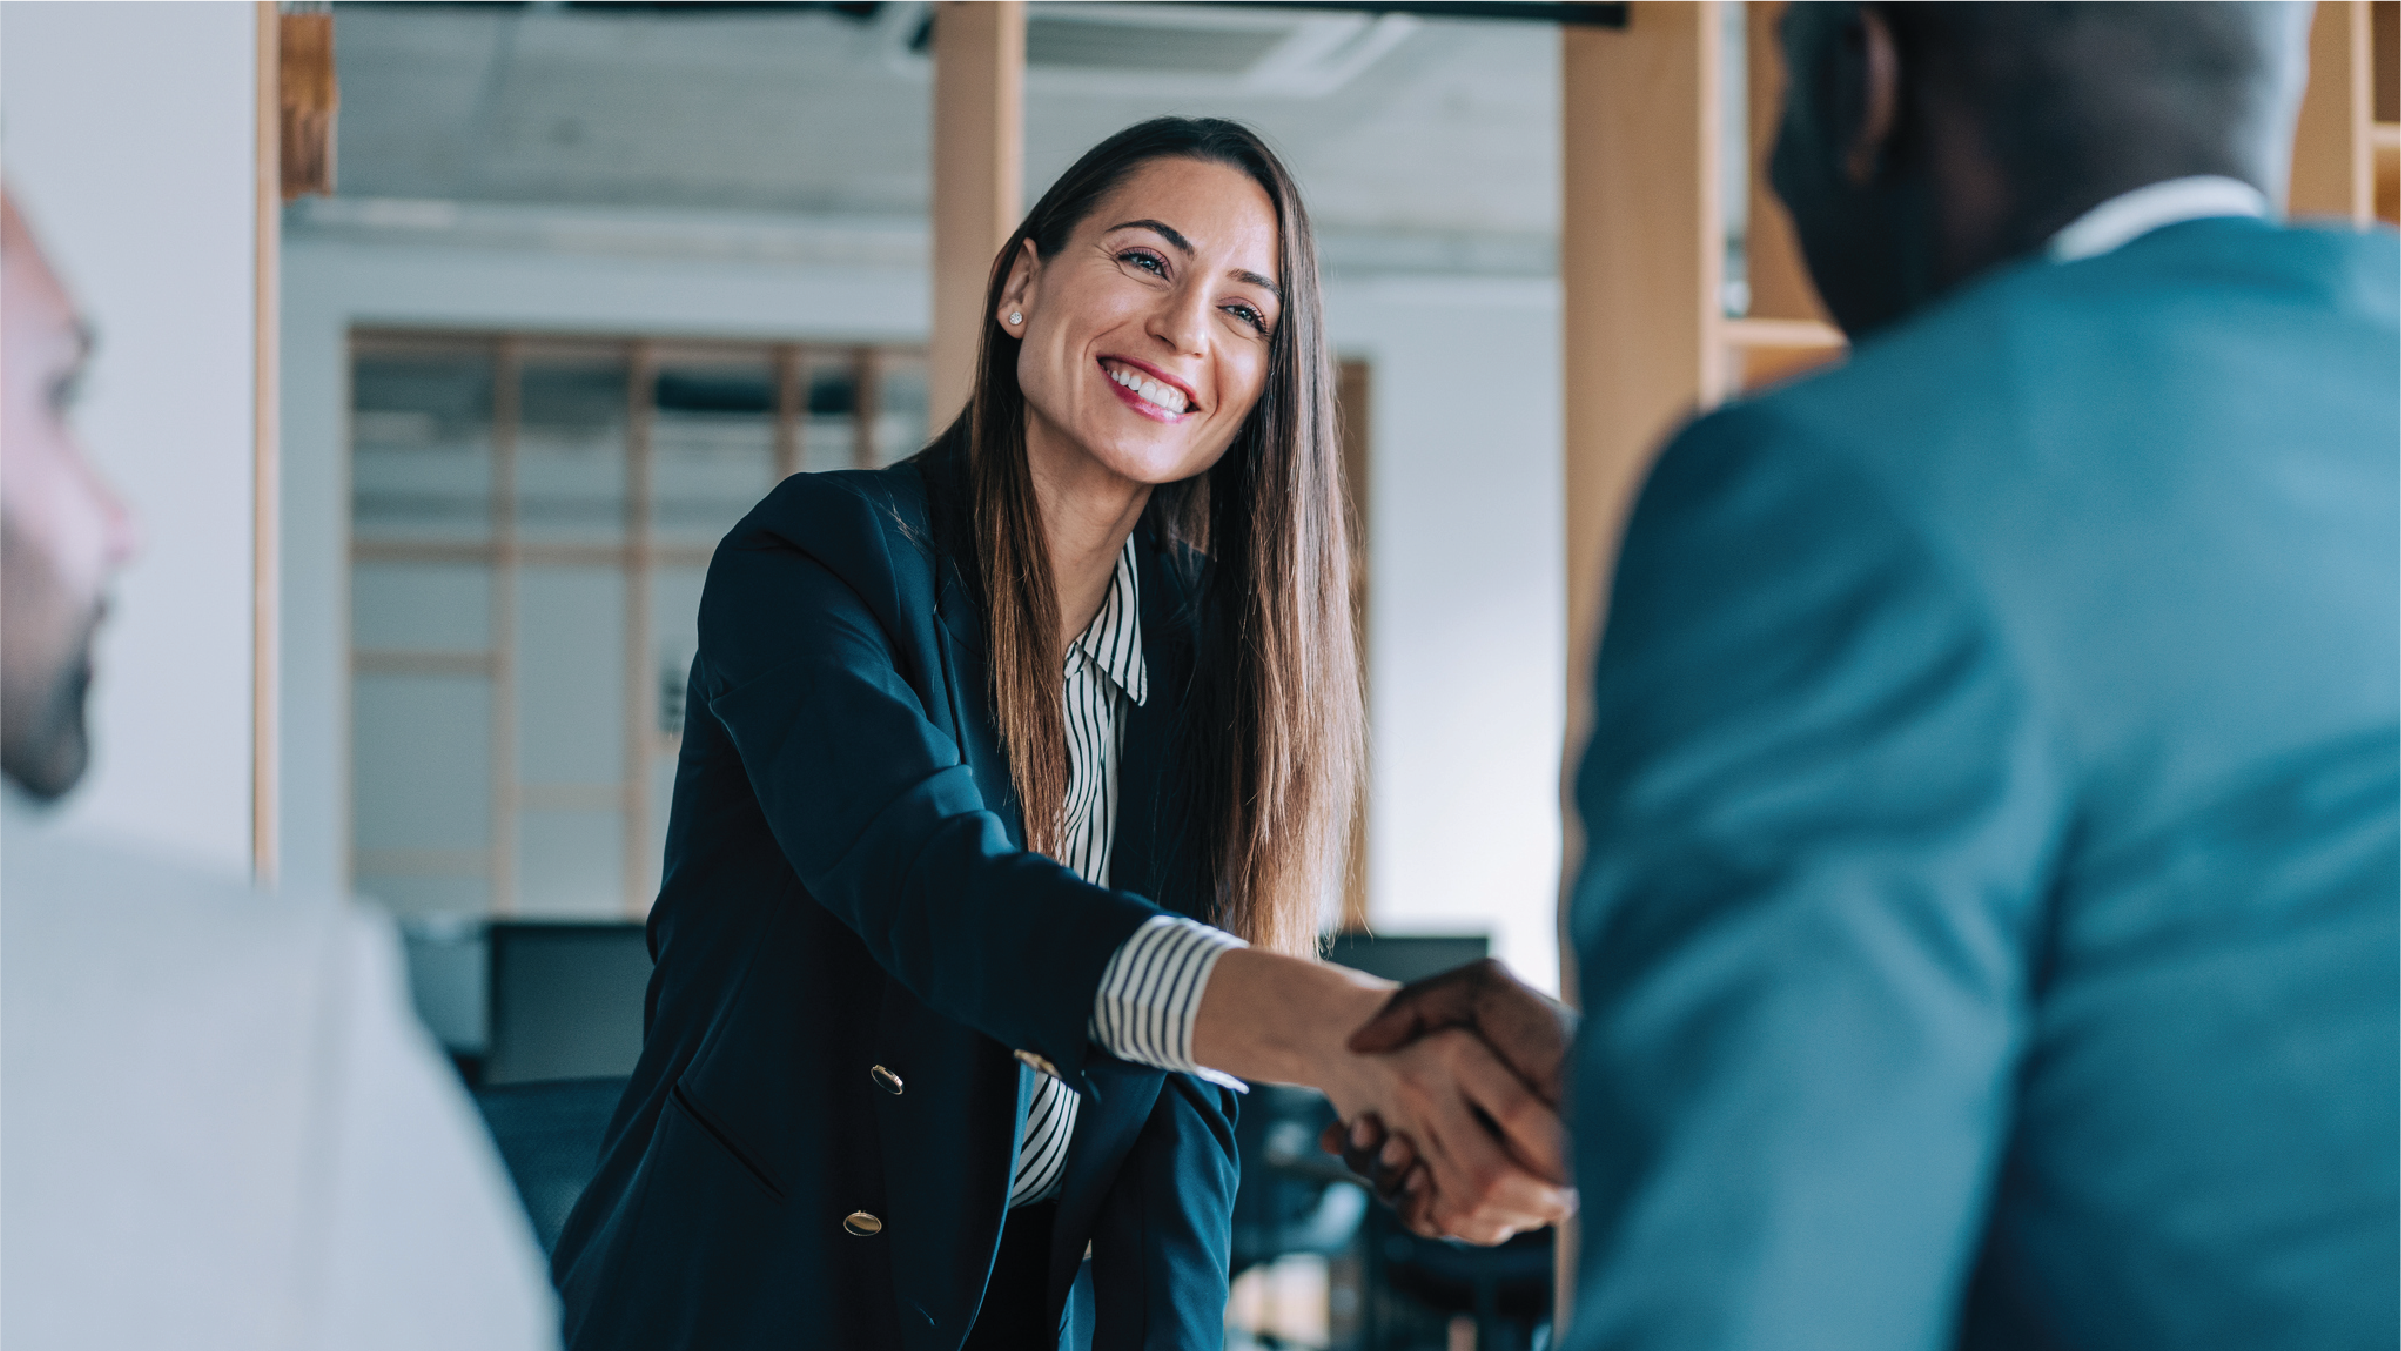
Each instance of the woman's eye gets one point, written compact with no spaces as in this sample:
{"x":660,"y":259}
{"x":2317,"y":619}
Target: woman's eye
{"x":1249,"y":316}
{"x":1148,"y":262}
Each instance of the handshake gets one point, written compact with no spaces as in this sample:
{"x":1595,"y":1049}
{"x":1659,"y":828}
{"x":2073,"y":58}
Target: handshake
{"x":1473,"y":1147}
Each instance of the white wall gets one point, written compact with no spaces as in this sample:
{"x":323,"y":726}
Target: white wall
{"x":129,"y":137}
{"x":1467,"y":606}
{"x":1467,"y":595}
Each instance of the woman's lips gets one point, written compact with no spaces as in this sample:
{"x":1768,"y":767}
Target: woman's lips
{"x":1142,"y":391}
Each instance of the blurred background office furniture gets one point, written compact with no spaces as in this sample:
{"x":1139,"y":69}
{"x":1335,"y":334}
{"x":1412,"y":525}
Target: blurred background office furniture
{"x":566,"y":1001}
{"x":530,"y":1001}
{"x":544,"y":1021}
{"x":1503,"y":1293}
{"x":1405,"y":957}
{"x":549,"y":1135}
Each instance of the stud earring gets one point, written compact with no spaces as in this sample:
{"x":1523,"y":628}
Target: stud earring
{"x":1016,"y":317}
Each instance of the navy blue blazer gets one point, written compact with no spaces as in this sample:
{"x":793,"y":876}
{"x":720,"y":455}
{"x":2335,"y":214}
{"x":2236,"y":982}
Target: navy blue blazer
{"x":846,"y":888}
{"x":1991,"y":928}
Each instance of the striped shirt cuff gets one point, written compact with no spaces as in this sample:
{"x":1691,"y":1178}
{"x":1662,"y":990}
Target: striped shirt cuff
{"x":1150,"y":995}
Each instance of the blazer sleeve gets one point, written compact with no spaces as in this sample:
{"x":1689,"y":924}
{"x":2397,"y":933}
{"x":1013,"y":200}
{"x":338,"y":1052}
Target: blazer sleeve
{"x":1818,"y":812}
{"x":1163,"y":1242}
{"x":872,"y":802}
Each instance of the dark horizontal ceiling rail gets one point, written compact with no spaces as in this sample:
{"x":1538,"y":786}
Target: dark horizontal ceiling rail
{"x":1563,"y":12}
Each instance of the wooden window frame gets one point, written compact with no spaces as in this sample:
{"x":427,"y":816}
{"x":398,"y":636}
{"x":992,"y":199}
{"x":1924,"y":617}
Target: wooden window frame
{"x":637,"y":555}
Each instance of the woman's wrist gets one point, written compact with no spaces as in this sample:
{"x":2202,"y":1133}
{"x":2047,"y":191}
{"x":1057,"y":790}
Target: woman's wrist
{"x":1270,"y":1018}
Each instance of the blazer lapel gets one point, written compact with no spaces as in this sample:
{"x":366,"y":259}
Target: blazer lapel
{"x":966,"y":679}
{"x":1148,"y":855}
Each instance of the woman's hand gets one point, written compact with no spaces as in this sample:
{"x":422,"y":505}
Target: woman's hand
{"x":1495,"y":1158}
{"x":1482,"y":1158}
{"x":1528,"y":1030}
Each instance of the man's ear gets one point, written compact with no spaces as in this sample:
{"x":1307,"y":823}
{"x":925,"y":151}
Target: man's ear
{"x":1024,"y":270}
{"x":1879,"y":73}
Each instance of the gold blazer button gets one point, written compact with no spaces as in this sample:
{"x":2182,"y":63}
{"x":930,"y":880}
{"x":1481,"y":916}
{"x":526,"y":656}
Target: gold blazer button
{"x":884,"y":1079}
{"x":863,"y":1224}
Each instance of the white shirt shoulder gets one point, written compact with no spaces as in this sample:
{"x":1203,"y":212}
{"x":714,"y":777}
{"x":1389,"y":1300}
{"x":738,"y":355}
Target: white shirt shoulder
{"x":221,"y":1126}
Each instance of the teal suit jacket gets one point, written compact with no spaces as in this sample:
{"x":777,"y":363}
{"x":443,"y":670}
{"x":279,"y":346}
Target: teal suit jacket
{"x":1988,"y":929}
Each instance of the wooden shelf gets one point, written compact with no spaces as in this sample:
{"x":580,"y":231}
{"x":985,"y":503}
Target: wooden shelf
{"x":2384,"y":144}
{"x":1764,"y":351}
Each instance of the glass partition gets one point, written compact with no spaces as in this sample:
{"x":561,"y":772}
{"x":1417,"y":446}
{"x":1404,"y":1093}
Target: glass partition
{"x":531,"y":524}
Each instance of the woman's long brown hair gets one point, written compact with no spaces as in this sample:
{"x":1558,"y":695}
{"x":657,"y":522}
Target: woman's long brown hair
{"x":1272,"y":738}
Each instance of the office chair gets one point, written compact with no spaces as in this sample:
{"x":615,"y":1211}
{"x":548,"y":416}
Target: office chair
{"x":549,"y":1136}
{"x":1507,"y":1290}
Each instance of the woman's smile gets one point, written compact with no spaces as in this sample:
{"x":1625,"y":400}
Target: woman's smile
{"x":1149,"y":391}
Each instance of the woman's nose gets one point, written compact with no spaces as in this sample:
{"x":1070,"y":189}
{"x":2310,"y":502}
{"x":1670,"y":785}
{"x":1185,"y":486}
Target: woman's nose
{"x":1182,"y":322}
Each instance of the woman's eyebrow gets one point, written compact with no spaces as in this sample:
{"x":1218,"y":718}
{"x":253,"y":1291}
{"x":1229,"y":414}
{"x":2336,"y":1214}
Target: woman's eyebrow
{"x":1160,"y":228}
{"x":1176,"y":237}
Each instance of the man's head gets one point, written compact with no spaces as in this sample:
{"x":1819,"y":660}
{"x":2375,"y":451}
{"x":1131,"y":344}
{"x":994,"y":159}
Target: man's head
{"x":1924,"y":143}
{"x":63,"y":534}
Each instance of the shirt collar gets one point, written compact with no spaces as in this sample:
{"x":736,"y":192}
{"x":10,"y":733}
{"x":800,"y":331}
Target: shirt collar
{"x":1113,"y":640}
{"x":2130,"y":215}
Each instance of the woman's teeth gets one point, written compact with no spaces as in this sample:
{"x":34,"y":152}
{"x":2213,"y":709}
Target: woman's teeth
{"x":1166,"y":397}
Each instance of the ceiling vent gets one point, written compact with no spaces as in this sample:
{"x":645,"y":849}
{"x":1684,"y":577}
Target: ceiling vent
{"x":1186,"y":50}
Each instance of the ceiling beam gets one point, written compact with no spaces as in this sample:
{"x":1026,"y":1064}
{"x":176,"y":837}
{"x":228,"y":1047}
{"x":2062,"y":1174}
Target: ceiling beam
{"x":1572,"y":13}
{"x":1566,"y":13}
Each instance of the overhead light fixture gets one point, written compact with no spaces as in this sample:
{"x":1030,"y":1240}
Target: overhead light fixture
{"x":1189,"y":50}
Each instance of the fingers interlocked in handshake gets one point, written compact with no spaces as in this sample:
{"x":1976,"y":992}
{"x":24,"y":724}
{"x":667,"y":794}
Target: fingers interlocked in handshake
{"x":1453,"y":1082}
{"x":1468,"y":1143}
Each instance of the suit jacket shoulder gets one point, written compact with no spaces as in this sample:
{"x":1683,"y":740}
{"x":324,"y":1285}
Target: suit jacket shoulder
{"x":1993,"y":707}
{"x":872,"y":528}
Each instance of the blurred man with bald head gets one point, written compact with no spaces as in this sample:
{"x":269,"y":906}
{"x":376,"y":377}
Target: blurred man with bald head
{"x":220,"y":1127}
{"x":1988,"y":928}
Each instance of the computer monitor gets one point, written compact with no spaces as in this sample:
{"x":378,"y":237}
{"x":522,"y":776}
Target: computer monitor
{"x":1406,"y":956}
{"x":566,"y":1000}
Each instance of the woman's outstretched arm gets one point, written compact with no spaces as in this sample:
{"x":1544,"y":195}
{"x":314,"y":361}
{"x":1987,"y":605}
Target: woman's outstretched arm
{"x":1281,"y":1019}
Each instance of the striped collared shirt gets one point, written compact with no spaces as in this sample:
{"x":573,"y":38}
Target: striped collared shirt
{"x":1150,"y":991}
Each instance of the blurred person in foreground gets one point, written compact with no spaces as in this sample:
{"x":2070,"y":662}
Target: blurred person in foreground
{"x":220,"y":1126}
{"x":1988,"y":927}
{"x":1987,"y":932}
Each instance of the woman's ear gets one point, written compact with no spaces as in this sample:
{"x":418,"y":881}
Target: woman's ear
{"x":1879,"y":93}
{"x":1018,"y":290}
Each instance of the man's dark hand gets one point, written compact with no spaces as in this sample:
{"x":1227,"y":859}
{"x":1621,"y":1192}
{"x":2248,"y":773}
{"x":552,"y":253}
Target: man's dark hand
{"x":1387,"y":1165}
{"x":1529,"y":1032}
{"x":1527,"y":1029}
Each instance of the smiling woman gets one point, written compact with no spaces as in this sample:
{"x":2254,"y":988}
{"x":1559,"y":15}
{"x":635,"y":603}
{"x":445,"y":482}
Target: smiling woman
{"x":996,"y":766}
{"x":1142,"y":336}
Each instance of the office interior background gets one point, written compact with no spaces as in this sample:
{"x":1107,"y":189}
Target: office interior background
{"x":431,"y":435}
